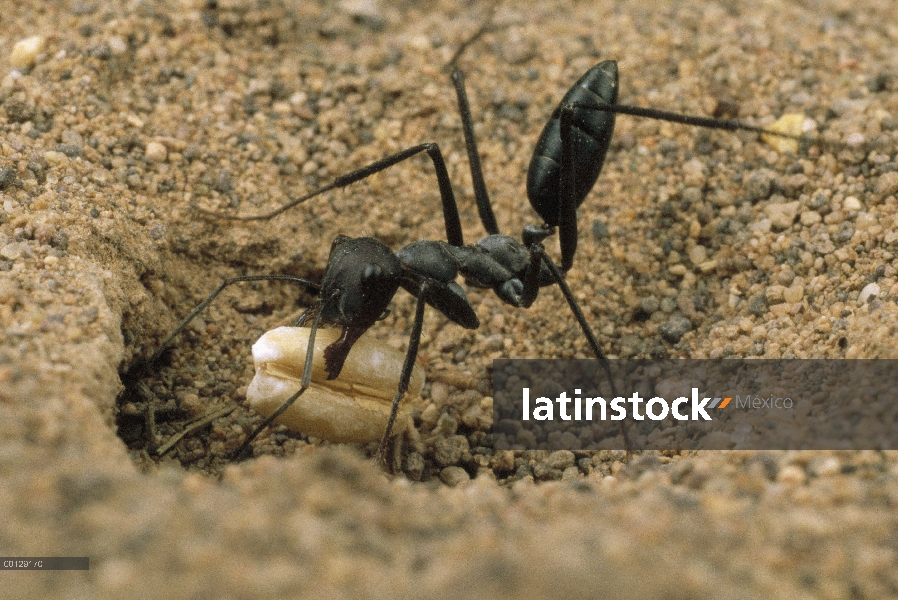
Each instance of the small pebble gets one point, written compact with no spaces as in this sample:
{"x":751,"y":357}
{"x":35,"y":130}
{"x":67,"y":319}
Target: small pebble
{"x":7,"y":177}
{"x":448,"y":451}
{"x":156,"y":152}
{"x":72,"y":138}
{"x":70,"y":150}
{"x":708,"y":266}
{"x":789,"y":123}
{"x":828,"y":467}
{"x":561,"y":459}
{"x":9,"y":291}
{"x":649,"y":305}
{"x":793,"y":293}
{"x":452,"y":476}
{"x":810,"y":217}
{"x":758,"y":305}
{"x":698,"y":254}
{"x":758,"y":185}
{"x":695,"y":229}
{"x":887,"y":184}
{"x":414,"y":466}
{"x":791,"y":474}
{"x":439,"y":392}
{"x":679,"y":270}
{"x":25,"y":52}
{"x":117,"y":45}
{"x":544,"y":472}
{"x":855,"y":139}
{"x":786,"y":276}
{"x":775,"y":294}
{"x":782,"y":215}
{"x":674,"y":329}
{"x":11,"y":251}
{"x":852,"y":203}
{"x":600,"y":230}
{"x":870,"y":290}
{"x":570,"y":473}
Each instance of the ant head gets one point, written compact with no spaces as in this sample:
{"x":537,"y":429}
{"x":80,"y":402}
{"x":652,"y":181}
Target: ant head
{"x":361,"y":278}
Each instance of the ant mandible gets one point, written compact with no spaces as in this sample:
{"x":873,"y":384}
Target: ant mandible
{"x":363,"y":274}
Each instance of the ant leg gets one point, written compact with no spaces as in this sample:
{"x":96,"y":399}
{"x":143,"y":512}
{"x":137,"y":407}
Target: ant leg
{"x":484,"y":207}
{"x":407,"y":366}
{"x":538,"y":258}
{"x":202,"y":306}
{"x":303,"y":386}
{"x":567,"y":209}
{"x":664,"y":115}
{"x":587,"y":331}
{"x":485,"y":27}
{"x":450,"y":209}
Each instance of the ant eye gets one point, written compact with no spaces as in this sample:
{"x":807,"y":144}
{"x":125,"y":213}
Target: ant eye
{"x":372,"y":272}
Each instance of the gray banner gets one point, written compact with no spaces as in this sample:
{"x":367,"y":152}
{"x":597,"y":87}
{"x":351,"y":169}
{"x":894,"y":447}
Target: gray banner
{"x":696,"y":404}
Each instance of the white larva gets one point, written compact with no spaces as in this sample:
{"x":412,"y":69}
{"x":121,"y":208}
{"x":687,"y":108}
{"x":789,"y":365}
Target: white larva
{"x":354,"y":407}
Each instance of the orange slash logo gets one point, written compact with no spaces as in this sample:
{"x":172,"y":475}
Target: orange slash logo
{"x":720,"y":402}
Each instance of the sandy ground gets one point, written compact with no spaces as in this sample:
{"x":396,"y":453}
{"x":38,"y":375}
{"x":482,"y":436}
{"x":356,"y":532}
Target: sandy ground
{"x":693,"y":244}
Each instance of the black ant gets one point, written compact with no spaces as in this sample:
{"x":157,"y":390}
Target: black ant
{"x":363,"y":274}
